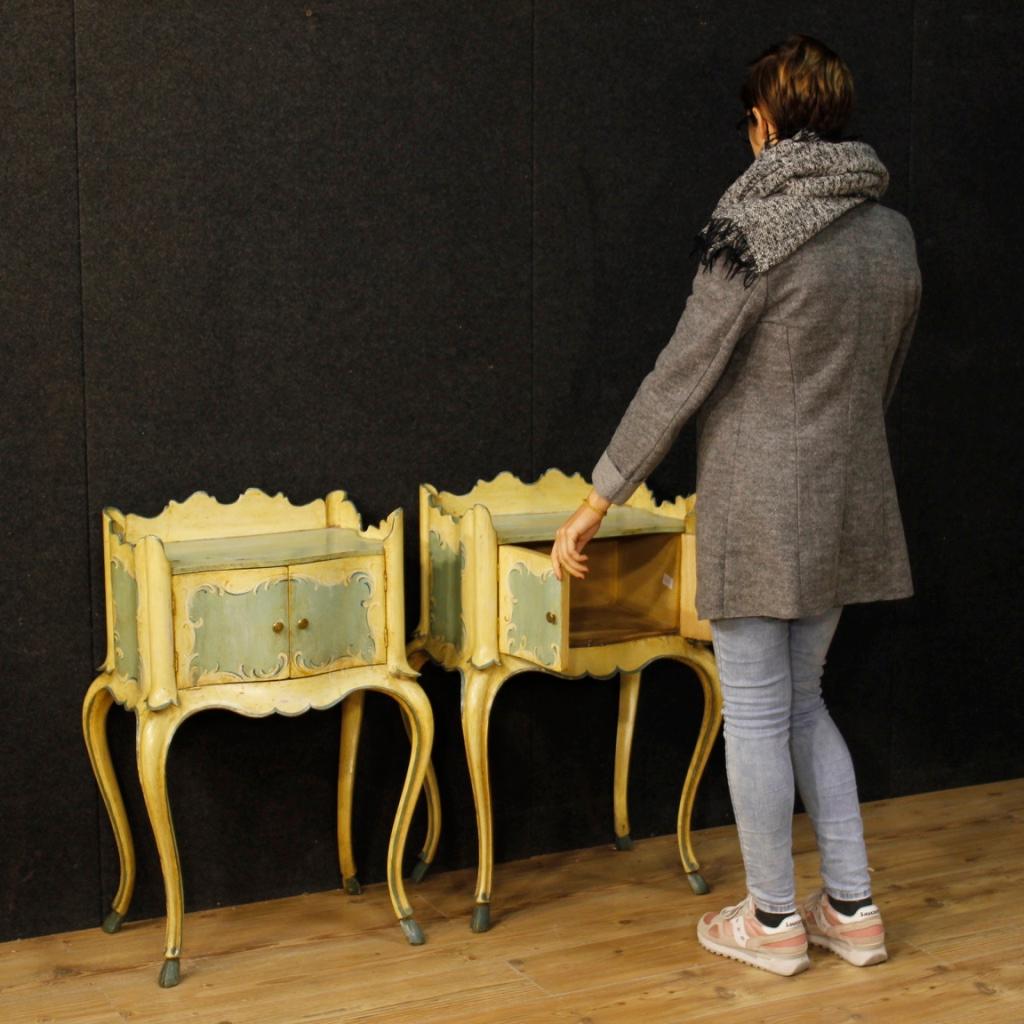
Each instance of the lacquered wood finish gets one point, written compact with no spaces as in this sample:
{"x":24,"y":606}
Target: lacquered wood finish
{"x":301,"y":610}
{"x":491,"y":608}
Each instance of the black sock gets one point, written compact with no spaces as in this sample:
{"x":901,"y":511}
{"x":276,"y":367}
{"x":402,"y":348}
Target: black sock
{"x":770,"y":920}
{"x":849,"y":907}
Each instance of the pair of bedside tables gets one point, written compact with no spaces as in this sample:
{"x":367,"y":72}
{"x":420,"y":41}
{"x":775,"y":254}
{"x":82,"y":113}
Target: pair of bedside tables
{"x":263,"y":607}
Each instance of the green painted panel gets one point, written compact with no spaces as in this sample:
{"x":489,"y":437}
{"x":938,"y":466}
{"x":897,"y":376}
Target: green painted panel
{"x":533,"y":596}
{"x":339,"y":622}
{"x":446,"y":590}
{"x":125,"y":592}
{"x":234,"y":631}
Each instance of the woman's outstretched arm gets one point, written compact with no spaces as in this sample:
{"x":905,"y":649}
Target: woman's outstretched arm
{"x":718,"y":313}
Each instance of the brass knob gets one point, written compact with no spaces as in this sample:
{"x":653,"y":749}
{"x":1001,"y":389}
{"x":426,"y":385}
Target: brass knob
{"x":551,"y":617}
{"x":277,"y":627}
{"x":302,"y":623}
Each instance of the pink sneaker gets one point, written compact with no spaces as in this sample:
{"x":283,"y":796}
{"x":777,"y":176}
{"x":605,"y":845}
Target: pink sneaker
{"x":736,"y":932}
{"x":858,"y":938}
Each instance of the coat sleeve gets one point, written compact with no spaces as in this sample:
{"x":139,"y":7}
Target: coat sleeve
{"x":718,"y":313}
{"x":900,"y":355}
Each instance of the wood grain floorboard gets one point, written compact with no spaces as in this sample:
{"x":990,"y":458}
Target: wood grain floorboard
{"x":581,"y":937}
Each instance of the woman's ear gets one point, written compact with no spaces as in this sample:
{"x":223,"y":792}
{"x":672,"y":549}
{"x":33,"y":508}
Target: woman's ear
{"x":760,"y":124}
{"x":756,"y":130}
{"x":764,"y":129}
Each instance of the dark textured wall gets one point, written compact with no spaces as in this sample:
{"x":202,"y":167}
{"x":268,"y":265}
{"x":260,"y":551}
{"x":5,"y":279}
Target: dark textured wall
{"x":958,"y":693}
{"x":48,"y":806}
{"x":304,"y":245}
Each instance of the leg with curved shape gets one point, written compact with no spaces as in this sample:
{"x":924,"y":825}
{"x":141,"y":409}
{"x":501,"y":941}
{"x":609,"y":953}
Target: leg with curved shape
{"x":155,"y":731}
{"x":702,"y":661}
{"x":433,"y":798}
{"x":98,"y":701}
{"x":480,"y":687}
{"x":351,"y":724}
{"x":416,"y":709}
{"x":629,"y":691}
{"x":417,"y":657}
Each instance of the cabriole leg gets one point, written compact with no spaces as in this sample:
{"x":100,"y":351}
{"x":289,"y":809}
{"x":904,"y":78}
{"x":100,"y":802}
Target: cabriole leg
{"x":98,"y":701}
{"x":433,"y":798}
{"x":155,"y":731}
{"x":416,"y":709}
{"x":702,"y":661}
{"x":417,"y":657}
{"x":629,"y":691}
{"x":351,"y":725}
{"x":480,"y":687}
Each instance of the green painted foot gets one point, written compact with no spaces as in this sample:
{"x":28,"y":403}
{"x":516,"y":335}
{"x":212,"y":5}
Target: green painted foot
{"x":624,"y":842}
{"x":413,"y":932}
{"x":481,"y":917}
{"x":422,"y":866}
{"x":170,"y":973}
{"x":112,"y":922}
{"x":697,"y":883}
{"x":352,"y":886}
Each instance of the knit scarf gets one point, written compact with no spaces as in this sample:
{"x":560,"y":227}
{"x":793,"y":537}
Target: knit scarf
{"x":787,"y":195}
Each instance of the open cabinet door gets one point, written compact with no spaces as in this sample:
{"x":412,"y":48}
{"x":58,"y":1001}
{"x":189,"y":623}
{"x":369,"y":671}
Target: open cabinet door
{"x":690,"y":626}
{"x":533,"y":607}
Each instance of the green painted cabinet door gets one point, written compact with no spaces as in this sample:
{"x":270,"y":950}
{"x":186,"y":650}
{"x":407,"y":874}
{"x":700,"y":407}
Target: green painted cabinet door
{"x":533,"y":607}
{"x":336,"y":616}
{"x":231,"y":626}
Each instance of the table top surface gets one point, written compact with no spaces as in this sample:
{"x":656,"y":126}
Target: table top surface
{"x":261,"y":550}
{"x":528,"y":527}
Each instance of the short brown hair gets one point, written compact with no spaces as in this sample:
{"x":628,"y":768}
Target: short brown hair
{"x":800,"y":83}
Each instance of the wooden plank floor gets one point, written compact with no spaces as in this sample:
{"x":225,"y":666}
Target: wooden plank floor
{"x":588,"y":937}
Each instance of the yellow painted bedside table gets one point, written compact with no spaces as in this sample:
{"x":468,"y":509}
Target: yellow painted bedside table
{"x":491,"y":607}
{"x":257,"y":607}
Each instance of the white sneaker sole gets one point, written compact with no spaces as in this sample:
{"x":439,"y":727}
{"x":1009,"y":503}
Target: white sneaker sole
{"x":857,"y":957}
{"x":783,"y":965}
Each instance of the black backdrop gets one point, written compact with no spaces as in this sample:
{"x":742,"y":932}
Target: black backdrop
{"x":304,"y":245}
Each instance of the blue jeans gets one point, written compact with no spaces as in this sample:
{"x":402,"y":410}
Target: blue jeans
{"x":778,"y":729}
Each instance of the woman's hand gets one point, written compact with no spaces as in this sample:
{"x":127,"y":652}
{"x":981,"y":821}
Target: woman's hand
{"x":572,"y":536}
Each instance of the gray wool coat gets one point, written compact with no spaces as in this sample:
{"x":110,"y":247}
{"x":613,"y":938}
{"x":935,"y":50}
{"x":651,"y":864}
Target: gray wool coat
{"x":790,"y":378}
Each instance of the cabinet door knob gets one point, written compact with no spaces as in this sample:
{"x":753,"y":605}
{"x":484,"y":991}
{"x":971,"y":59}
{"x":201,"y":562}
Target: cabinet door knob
{"x":277,"y":627}
{"x":551,"y":617}
{"x":302,"y":623}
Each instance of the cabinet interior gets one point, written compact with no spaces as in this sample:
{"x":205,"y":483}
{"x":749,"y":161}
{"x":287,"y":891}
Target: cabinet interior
{"x":631,"y":590}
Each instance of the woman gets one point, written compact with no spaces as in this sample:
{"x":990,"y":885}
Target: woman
{"x":788,"y":350}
